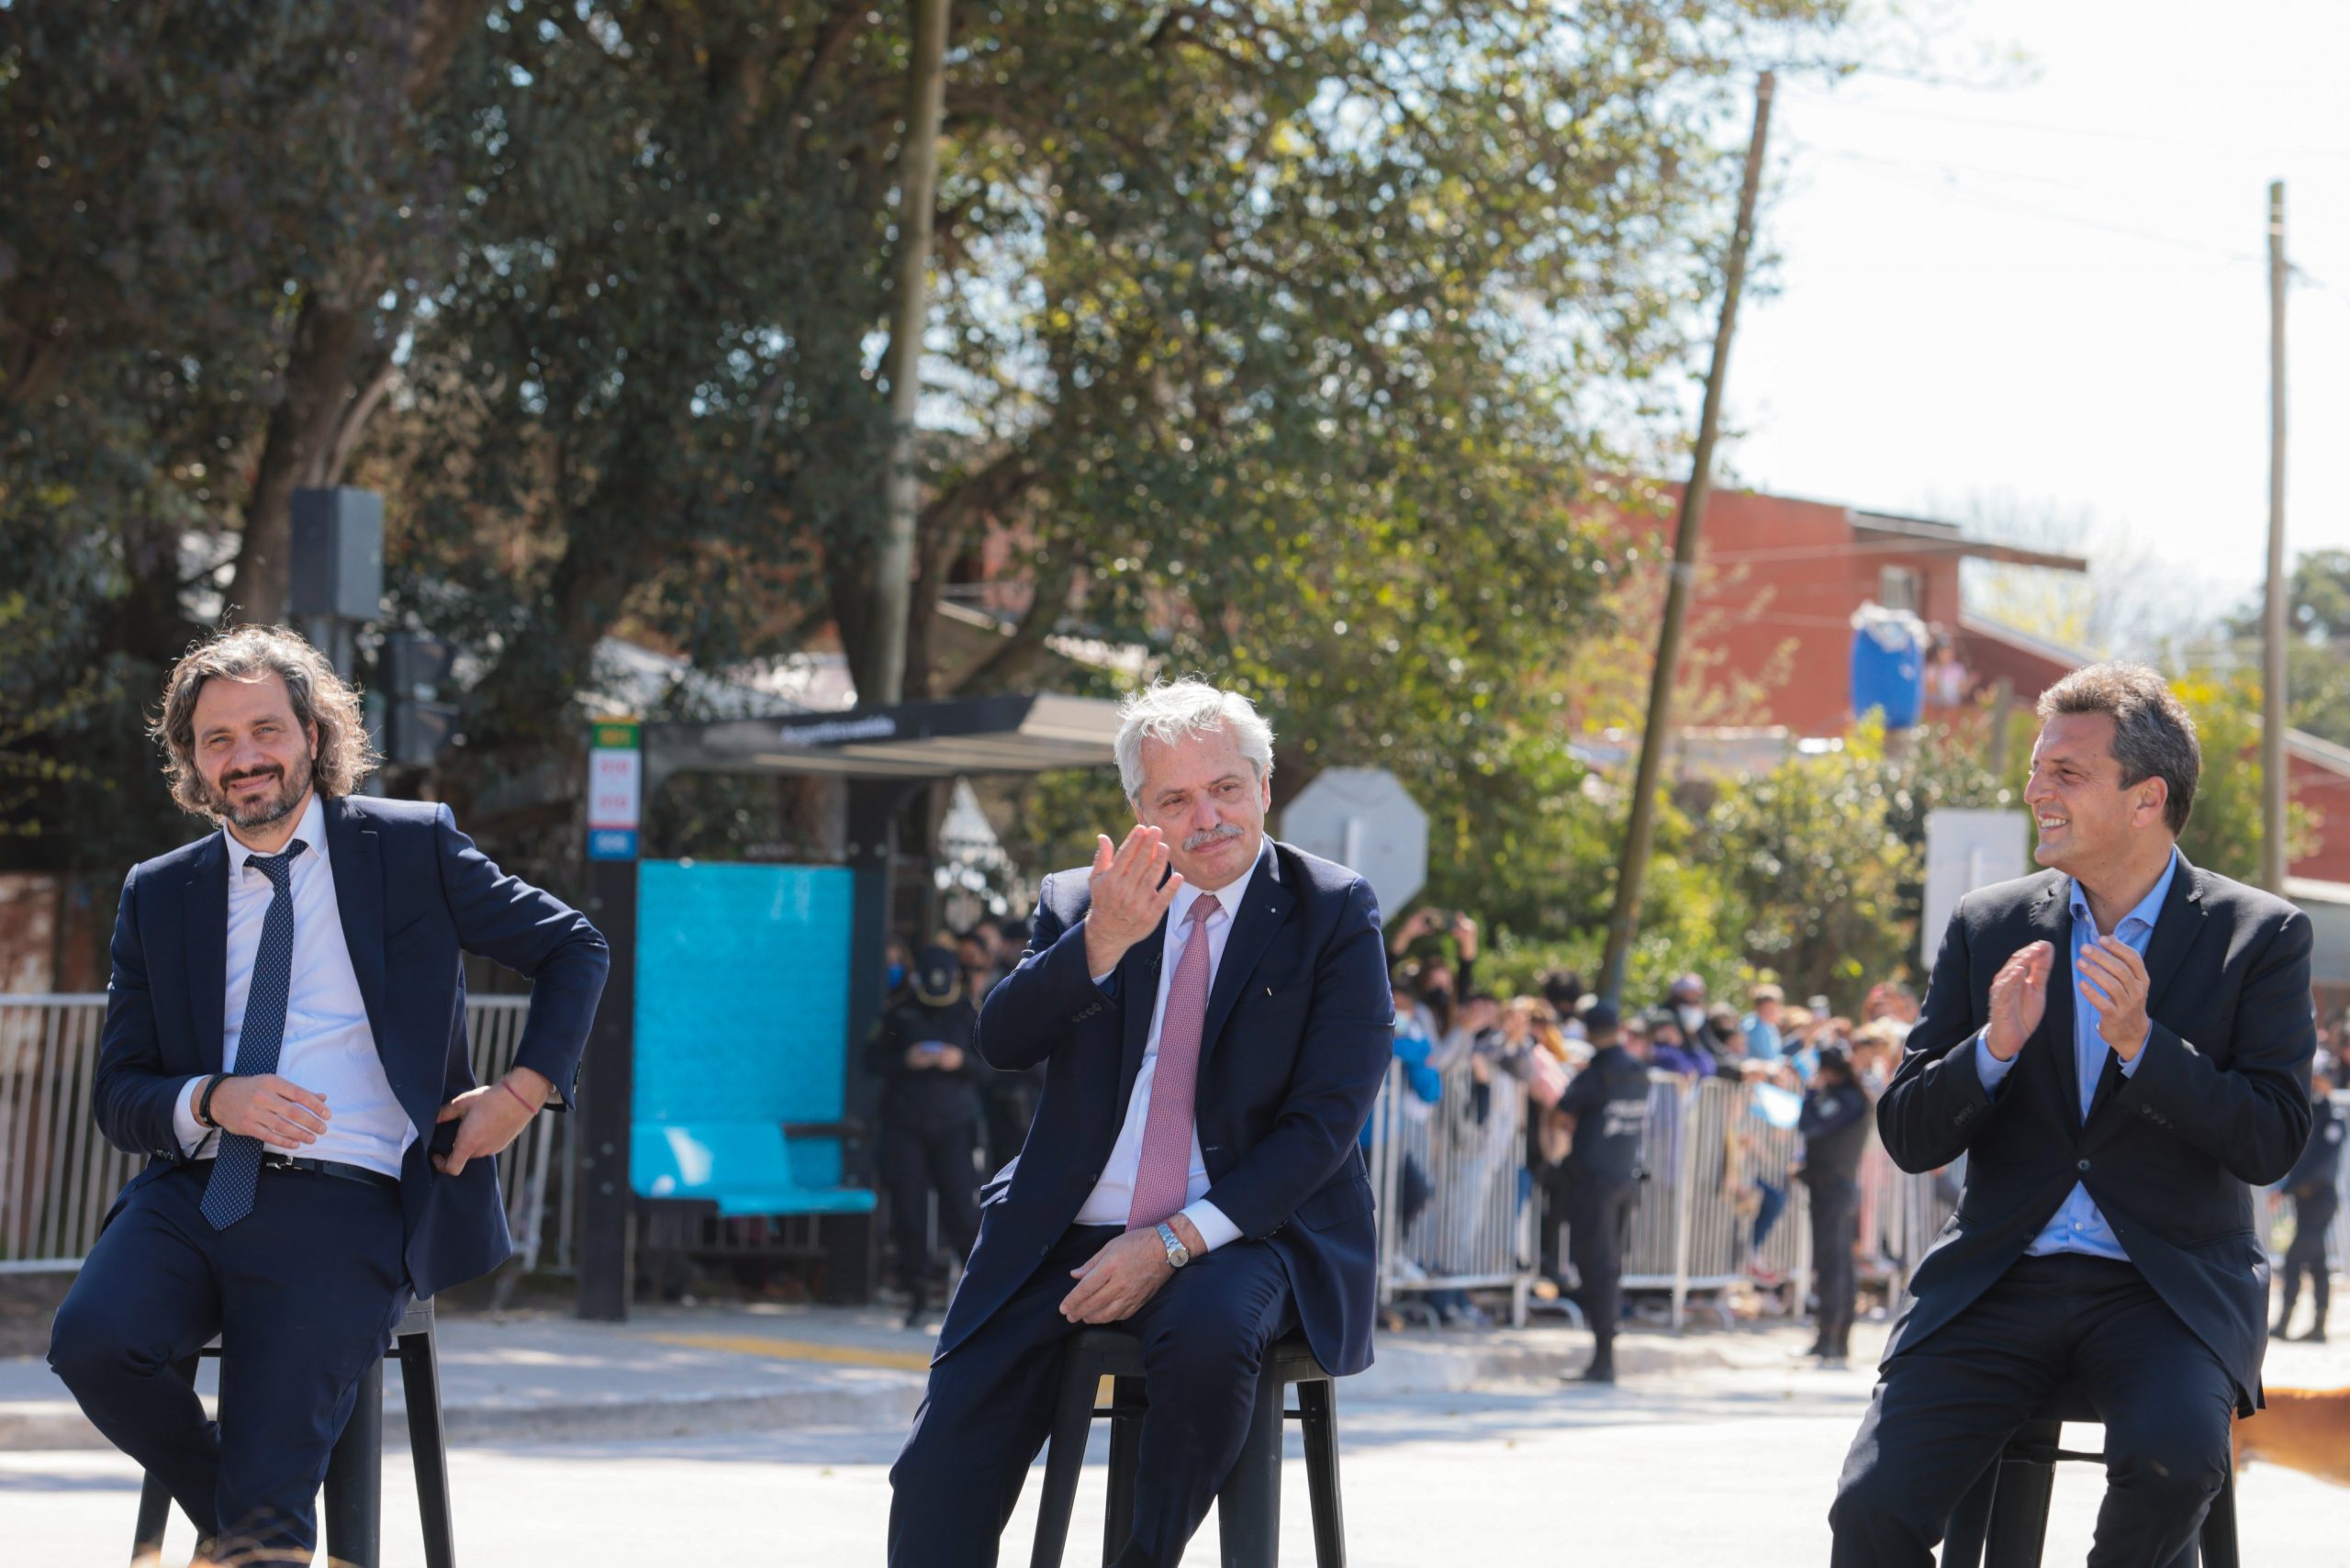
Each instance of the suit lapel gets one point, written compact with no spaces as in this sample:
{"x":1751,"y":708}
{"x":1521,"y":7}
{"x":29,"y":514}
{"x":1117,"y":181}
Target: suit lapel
{"x":357,"y":853}
{"x":2052,"y":921}
{"x":1267,"y":905}
{"x":205,"y":921}
{"x":2177,"y":927}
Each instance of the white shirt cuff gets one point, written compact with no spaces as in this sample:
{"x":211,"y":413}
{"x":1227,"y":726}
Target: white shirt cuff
{"x":1988,"y":1068}
{"x":185,"y":1126}
{"x":1209,"y":1221}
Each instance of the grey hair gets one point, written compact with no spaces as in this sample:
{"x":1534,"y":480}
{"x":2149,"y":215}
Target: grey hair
{"x":1173,"y":709}
{"x":2154,"y":734}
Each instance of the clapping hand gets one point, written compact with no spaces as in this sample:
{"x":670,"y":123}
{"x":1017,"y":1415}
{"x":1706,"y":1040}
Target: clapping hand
{"x":2113,"y":979}
{"x":2019,"y":999}
{"x":1131,"y":890}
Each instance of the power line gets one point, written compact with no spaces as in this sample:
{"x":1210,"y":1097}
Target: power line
{"x":2088,"y":133}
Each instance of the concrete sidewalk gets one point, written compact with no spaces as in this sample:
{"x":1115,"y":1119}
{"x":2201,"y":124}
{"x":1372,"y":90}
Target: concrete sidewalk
{"x":674,"y":1371}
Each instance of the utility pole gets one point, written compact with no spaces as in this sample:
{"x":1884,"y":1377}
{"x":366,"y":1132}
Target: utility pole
{"x":2273,"y":854}
{"x":1641,"y":833}
{"x":894,"y":567}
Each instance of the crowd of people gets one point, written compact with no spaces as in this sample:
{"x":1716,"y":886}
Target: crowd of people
{"x":1817,"y":1071}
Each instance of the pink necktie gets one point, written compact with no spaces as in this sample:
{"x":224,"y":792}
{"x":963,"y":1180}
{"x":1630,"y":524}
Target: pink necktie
{"x":1164,"y":1173}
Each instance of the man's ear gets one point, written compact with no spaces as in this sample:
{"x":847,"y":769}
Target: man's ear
{"x":2154,"y":794}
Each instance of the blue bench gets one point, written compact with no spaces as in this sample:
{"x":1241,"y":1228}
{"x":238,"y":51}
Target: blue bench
{"x":743,"y":1167}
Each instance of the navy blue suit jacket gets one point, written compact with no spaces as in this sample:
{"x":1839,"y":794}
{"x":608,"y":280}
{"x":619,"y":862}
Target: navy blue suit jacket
{"x":2220,"y":1103}
{"x":413,"y":892}
{"x":1299,"y":1029}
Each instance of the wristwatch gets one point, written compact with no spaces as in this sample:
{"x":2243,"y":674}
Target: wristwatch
{"x":1177,"y":1253}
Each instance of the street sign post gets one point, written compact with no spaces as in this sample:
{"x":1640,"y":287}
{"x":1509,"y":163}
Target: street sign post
{"x":615,"y":789}
{"x":1365,"y":820}
{"x":1965,"y":850}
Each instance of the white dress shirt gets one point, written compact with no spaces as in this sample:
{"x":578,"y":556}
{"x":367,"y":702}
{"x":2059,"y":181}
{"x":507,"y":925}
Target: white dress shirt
{"x":1113,"y":1196}
{"x":328,"y":1047}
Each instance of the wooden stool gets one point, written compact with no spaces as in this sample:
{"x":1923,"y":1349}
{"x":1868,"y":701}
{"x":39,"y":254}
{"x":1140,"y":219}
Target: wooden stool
{"x":354,"y":1493}
{"x":1249,"y":1510}
{"x":2003,"y":1522}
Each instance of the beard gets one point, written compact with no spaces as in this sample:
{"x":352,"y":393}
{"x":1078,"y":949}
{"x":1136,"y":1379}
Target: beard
{"x":269,"y":805}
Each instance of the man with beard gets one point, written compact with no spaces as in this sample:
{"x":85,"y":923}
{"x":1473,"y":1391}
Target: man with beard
{"x":285,"y":1042}
{"x":1212,"y":1010}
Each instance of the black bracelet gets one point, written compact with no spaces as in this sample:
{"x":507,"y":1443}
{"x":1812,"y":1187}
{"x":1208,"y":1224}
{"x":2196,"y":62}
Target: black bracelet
{"x":204,"y":1105}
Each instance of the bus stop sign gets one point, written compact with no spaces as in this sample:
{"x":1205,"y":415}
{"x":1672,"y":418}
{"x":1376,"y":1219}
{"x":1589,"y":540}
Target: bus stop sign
{"x":1363,"y":818}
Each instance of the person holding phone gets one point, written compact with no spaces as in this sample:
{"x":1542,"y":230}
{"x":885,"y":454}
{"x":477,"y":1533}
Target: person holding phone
{"x":285,"y":1042}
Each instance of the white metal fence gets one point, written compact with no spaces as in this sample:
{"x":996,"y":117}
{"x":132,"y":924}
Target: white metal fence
{"x":57,"y":1176}
{"x":1454,"y":1211}
{"x":1709,"y":1156}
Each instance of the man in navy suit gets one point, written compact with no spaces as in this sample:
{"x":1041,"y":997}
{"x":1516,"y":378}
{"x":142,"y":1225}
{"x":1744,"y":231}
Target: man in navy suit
{"x":1212,"y":1013}
{"x":285,"y":1038}
{"x":2120,"y":1048}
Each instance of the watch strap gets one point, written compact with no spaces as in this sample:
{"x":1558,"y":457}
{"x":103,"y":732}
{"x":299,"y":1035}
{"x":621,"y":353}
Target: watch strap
{"x":1173,"y":1243}
{"x":204,"y":1102}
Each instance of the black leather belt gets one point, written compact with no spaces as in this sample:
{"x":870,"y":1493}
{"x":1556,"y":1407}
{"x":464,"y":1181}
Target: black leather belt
{"x":334,"y":1168}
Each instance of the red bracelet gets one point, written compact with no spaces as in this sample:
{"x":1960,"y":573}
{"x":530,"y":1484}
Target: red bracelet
{"x":507,"y":1084}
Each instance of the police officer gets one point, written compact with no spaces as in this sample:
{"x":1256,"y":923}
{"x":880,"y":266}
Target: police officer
{"x":1834,"y":1123}
{"x":2312,"y":1187}
{"x":921,"y":1051}
{"x":1605,"y":1110}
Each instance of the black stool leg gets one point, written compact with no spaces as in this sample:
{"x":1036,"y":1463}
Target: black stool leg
{"x":354,"y":1489}
{"x":1318,"y":1407}
{"x":2020,"y":1513}
{"x":420,"y":1385}
{"x":1064,"y":1460}
{"x":154,"y":1503}
{"x":1249,"y":1509}
{"x":2218,"y":1536}
{"x":1125,"y":1463}
{"x":154,"y":1517}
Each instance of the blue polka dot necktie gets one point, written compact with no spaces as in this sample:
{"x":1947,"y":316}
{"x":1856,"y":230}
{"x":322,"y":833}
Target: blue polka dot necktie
{"x":229,"y":1195}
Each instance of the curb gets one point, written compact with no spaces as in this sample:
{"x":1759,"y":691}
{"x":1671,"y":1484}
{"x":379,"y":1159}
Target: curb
{"x":1405,"y":1366}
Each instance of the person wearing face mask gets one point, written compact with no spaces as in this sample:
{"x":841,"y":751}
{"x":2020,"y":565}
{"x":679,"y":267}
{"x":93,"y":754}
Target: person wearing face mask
{"x":897,"y":966}
{"x":1212,"y":1012}
{"x":1835,"y":1128}
{"x":921,"y":1050}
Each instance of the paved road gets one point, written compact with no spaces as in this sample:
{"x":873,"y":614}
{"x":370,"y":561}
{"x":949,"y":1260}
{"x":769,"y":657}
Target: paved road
{"x":1722,"y":1465}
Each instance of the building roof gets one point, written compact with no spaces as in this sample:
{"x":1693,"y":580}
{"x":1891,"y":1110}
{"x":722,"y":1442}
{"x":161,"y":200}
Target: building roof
{"x":1930,"y":533}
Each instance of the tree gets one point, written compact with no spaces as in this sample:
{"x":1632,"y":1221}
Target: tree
{"x":2224,"y":828}
{"x":2317,"y":655}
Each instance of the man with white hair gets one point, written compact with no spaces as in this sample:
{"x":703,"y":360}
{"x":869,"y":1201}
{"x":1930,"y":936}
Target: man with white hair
{"x":1212,"y":1011}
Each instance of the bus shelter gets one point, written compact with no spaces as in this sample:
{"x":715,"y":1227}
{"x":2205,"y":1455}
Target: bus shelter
{"x":721,"y":1070}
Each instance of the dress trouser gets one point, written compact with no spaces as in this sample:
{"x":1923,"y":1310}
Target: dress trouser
{"x":915,"y":1162}
{"x":304,"y":1293}
{"x":1835,"y":1225}
{"x":2312,"y":1220}
{"x":990,"y":1404}
{"x":1944,"y":1409}
{"x":1599,"y":1214}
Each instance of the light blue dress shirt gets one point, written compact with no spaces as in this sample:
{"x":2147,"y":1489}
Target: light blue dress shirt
{"x":2077,"y":1226}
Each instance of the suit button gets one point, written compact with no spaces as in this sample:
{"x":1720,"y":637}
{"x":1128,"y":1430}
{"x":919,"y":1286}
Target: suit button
{"x":2082,"y":1166}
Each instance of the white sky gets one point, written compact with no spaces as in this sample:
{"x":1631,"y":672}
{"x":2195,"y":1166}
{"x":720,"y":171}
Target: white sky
{"x":2055,"y":292}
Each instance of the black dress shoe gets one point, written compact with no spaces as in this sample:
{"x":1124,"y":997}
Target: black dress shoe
{"x":1599,"y":1371}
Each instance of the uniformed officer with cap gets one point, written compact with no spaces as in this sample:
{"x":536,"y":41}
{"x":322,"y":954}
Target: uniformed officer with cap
{"x":921,"y":1050}
{"x":1606,"y":1109}
{"x":2311,"y":1185}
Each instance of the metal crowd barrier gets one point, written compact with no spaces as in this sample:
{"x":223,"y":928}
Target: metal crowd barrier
{"x":1707,"y":1155}
{"x":57,"y":1176}
{"x":1453,"y":1207}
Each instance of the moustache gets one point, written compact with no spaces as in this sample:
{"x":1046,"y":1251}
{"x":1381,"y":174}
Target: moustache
{"x":1216,"y":834}
{"x":229,"y":778}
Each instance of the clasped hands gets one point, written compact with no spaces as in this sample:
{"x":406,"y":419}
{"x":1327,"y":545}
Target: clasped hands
{"x":1114,"y":1282}
{"x":282,"y":1114}
{"x":2111,"y":977}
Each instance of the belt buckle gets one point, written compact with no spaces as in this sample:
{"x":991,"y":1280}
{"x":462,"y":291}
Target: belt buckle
{"x":273,"y":1161}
